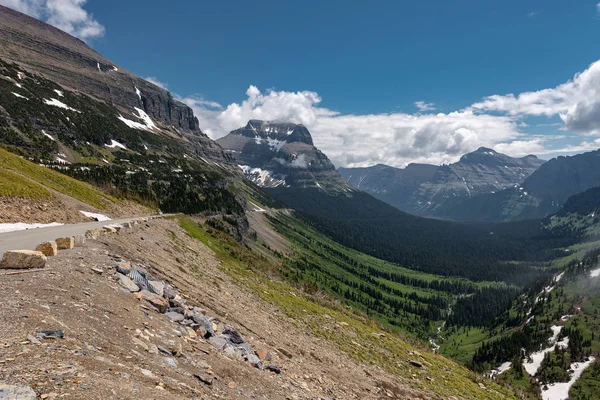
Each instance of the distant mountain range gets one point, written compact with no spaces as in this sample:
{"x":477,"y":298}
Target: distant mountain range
{"x":273,"y":154}
{"x":541,"y":194}
{"x":430,"y":190}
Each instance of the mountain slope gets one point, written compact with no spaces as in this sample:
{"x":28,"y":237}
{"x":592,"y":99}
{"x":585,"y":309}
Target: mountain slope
{"x":39,"y":48}
{"x":543,"y":193}
{"x":431,"y":191}
{"x":275,"y":154}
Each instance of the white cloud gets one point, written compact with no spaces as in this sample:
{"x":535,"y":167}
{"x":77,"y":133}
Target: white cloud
{"x":357,"y":140}
{"x":497,"y":121}
{"x":598,"y":8}
{"x":576,"y":102}
{"x":67,"y":15}
{"x":423,"y":106}
{"x":156,"y":82}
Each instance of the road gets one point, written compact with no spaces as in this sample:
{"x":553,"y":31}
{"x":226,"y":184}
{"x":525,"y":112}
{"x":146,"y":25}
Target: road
{"x":29,"y":239}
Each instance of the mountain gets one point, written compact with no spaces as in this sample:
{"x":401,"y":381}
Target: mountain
{"x":40,"y":49}
{"x":430,"y":190}
{"x":66,"y":107}
{"x":541,"y":194}
{"x":273,"y":154}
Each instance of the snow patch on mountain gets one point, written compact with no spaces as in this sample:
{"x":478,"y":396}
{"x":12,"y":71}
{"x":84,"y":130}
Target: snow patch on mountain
{"x":262,"y":177}
{"x":535,"y":359}
{"x":560,"y":391}
{"x":57,"y":103}
{"x":146,"y":125}
{"x":114,"y":144}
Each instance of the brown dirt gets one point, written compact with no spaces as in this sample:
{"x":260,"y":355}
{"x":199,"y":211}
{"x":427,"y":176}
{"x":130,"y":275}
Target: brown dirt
{"x":98,"y":359}
{"x":63,"y":209}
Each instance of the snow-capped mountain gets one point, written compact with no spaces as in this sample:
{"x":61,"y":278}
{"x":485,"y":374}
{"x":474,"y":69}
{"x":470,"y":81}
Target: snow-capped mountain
{"x":274,"y":154}
{"x":432,"y":190}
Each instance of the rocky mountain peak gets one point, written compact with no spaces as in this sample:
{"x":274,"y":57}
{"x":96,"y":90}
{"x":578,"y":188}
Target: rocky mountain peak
{"x":280,"y":131}
{"x":274,"y":153}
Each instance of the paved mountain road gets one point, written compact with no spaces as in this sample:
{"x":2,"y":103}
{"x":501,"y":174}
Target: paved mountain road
{"x":29,"y":239}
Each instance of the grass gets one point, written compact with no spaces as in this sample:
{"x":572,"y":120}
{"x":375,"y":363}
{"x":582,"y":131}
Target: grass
{"x":55,"y":180}
{"x":352,"y":332}
{"x":13,"y":185}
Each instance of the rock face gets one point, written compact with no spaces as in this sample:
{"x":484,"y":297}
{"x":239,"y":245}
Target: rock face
{"x":68,"y":61}
{"x":49,"y":249}
{"x":430,"y":190}
{"x":274,"y":154}
{"x":23,"y":259}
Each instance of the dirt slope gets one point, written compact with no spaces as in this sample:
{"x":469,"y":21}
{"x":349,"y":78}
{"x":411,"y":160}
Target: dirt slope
{"x":99,"y":359}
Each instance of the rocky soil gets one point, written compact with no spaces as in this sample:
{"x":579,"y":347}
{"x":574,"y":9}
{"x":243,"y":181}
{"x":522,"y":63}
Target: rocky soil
{"x":118,"y":346}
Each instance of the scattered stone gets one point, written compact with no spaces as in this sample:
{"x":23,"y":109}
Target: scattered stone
{"x":174,"y":316}
{"x":273,"y":368}
{"x":205,"y":323}
{"x":164,"y":350}
{"x":234,"y":336}
{"x":155,"y":300}
{"x":232,"y":385}
{"x":65,"y":243}
{"x":32,"y":340}
{"x":168,"y":292}
{"x":109,"y":229}
{"x":94,"y":233}
{"x":79,"y":240}
{"x":218,"y":342}
{"x":138,"y":342}
{"x":152,"y":348}
{"x":49,"y":249}
{"x":285,"y":352}
{"x":415,"y":364}
{"x":147,"y":373}
{"x":23,"y":259}
{"x":127,"y":283}
{"x":254,"y":361}
{"x":263,"y":354}
{"x":53,"y":334}
{"x":158,"y":286}
{"x":481,"y":385}
{"x":171,"y":362}
{"x":206,"y":379}
{"x":99,"y":271}
{"x":11,"y":392}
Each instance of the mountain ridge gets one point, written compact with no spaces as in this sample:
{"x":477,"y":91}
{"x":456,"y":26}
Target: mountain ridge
{"x":430,"y":190}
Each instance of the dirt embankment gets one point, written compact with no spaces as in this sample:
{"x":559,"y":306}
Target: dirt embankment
{"x":107,"y":351}
{"x":62,"y":209}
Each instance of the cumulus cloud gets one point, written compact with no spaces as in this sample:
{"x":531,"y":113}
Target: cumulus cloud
{"x":156,"y":82}
{"x":423,"y":106}
{"x":397,"y":139}
{"x":576,"y":102}
{"x":67,"y":15}
{"x":358,"y":140}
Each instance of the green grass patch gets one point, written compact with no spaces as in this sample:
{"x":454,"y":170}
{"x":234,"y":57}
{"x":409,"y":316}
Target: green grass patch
{"x":13,"y":185}
{"x":55,"y":180}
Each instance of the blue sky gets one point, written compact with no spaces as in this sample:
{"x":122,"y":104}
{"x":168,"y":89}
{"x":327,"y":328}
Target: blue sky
{"x":353,"y":71}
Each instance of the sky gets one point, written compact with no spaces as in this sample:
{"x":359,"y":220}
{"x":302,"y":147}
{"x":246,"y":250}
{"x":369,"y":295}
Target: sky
{"x":389,"y":82}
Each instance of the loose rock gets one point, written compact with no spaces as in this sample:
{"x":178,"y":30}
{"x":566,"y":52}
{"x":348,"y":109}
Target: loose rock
{"x":65,"y":243}
{"x":23,"y":259}
{"x":10,"y":392}
{"x":127,"y":283}
{"x":49,"y":249}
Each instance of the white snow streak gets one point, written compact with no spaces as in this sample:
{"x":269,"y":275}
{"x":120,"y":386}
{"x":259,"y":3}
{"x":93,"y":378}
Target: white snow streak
{"x":48,"y":136}
{"x":113,"y":144}
{"x":20,"y":226}
{"x":595,"y":273}
{"x":58,"y":92}
{"x":147,"y":124}
{"x":537,"y":357}
{"x":97,"y":217}
{"x":60,"y":104}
